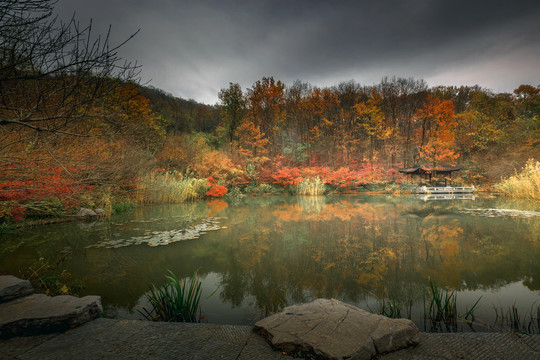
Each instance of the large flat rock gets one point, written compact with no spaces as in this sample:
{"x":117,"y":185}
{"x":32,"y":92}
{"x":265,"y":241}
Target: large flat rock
{"x":38,"y":313}
{"x":12,"y":288}
{"x":334,"y":330}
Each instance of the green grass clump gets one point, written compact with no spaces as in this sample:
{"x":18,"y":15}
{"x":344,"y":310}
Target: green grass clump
{"x":440,"y":307}
{"x":173,"y":188}
{"x":176,"y":301}
{"x":311,"y":186}
{"x":122,"y":207}
{"x":391,"y":307}
{"x":525,"y":185}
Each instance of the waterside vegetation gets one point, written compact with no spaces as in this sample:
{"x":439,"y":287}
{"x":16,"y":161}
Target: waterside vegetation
{"x":524,"y":184}
{"x":175,"y":301}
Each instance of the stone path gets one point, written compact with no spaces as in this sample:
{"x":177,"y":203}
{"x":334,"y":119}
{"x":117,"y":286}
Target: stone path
{"x":132,"y":339}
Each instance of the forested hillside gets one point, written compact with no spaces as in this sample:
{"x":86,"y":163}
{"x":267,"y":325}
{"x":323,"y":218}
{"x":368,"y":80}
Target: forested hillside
{"x":76,"y":129}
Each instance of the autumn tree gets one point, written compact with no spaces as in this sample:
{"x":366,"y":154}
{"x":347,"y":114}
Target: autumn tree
{"x":437,"y":142}
{"x":126,"y":112}
{"x":252,"y":143}
{"x":401,"y":99}
{"x":370,"y":118}
{"x":266,"y":99}
{"x":55,"y":80}
{"x":233,"y":108}
{"x":528,"y":109}
{"x":52,"y":73}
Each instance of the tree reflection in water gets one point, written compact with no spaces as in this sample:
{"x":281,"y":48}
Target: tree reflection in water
{"x":276,"y":251}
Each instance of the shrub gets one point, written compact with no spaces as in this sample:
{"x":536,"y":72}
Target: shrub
{"x":262,"y":189}
{"x":219,"y":166}
{"x":216,"y":190}
{"x":47,"y":278}
{"x":267,"y":189}
{"x":287,"y":177}
{"x":172,"y":154}
{"x":234,"y":192}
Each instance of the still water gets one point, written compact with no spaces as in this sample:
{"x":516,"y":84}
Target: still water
{"x":265,"y":253}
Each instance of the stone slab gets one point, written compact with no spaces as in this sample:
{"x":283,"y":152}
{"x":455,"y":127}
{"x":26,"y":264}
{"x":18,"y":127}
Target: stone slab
{"x":332,"y":329}
{"x":478,"y":346}
{"x":38,"y":314}
{"x":12,"y":288}
{"x":15,"y":347}
{"x":134,"y":339}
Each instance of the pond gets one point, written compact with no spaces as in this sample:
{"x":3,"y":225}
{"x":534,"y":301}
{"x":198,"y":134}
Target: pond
{"x":265,"y":253}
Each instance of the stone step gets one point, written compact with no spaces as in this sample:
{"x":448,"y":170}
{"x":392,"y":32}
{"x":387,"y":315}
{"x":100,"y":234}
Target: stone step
{"x":38,"y":314}
{"x":12,"y":288}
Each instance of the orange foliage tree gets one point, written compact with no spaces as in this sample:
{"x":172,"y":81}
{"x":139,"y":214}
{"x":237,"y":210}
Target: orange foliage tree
{"x":371,"y":119}
{"x":218,"y":165}
{"x":438,"y":131}
{"x":252,"y":143}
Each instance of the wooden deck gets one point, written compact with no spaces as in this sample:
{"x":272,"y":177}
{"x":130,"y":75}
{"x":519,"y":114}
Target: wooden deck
{"x":464,"y":196}
{"x":445,"y":190}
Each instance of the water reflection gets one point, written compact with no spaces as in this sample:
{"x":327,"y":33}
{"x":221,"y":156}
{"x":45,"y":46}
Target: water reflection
{"x":270,"y":252}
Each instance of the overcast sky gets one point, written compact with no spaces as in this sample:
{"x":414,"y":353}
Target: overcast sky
{"x":192,"y":49}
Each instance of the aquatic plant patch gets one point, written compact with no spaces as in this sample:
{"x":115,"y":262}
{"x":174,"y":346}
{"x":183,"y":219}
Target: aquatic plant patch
{"x":500,"y":212}
{"x":157,"y":238}
{"x":177,"y":301}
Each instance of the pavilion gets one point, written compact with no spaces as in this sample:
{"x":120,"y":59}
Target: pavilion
{"x":426,"y":172}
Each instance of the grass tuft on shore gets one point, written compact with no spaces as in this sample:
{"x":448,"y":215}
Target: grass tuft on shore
{"x":175,"y":301}
{"x":525,"y":184}
{"x":172,"y":187}
{"x":311,"y":186}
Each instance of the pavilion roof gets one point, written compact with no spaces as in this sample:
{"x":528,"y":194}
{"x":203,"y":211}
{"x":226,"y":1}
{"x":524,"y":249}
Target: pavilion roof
{"x":430,"y":168}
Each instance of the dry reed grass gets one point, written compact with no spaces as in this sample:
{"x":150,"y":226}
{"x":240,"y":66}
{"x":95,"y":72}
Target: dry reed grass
{"x":524,"y":185}
{"x":311,"y":186}
{"x":172,"y":187}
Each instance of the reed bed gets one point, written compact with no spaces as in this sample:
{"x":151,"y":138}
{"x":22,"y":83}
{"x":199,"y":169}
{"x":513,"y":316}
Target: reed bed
{"x":311,"y":186}
{"x":172,"y":188}
{"x":524,"y":185}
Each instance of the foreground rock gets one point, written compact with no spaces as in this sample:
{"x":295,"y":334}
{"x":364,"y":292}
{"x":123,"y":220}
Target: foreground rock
{"x":13,"y":288}
{"x":335,"y":330}
{"x":85,"y":213}
{"x":38,"y":313}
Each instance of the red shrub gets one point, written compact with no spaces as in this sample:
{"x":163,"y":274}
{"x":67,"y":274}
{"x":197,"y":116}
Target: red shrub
{"x":216,"y":191}
{"x":287,"y":177}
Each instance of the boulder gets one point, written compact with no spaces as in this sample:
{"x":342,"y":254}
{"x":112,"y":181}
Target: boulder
{"x":38,"y":314}
{"x":99,"y":211}
{"x":332,"y":329}
{"x":13,"y":288}
{"x":85,"y":213}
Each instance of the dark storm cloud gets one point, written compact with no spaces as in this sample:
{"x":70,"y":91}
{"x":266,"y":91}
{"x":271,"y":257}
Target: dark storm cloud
{"x":194,"y":48}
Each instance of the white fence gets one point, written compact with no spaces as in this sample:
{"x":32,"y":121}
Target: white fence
{"x":445,"y":190}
